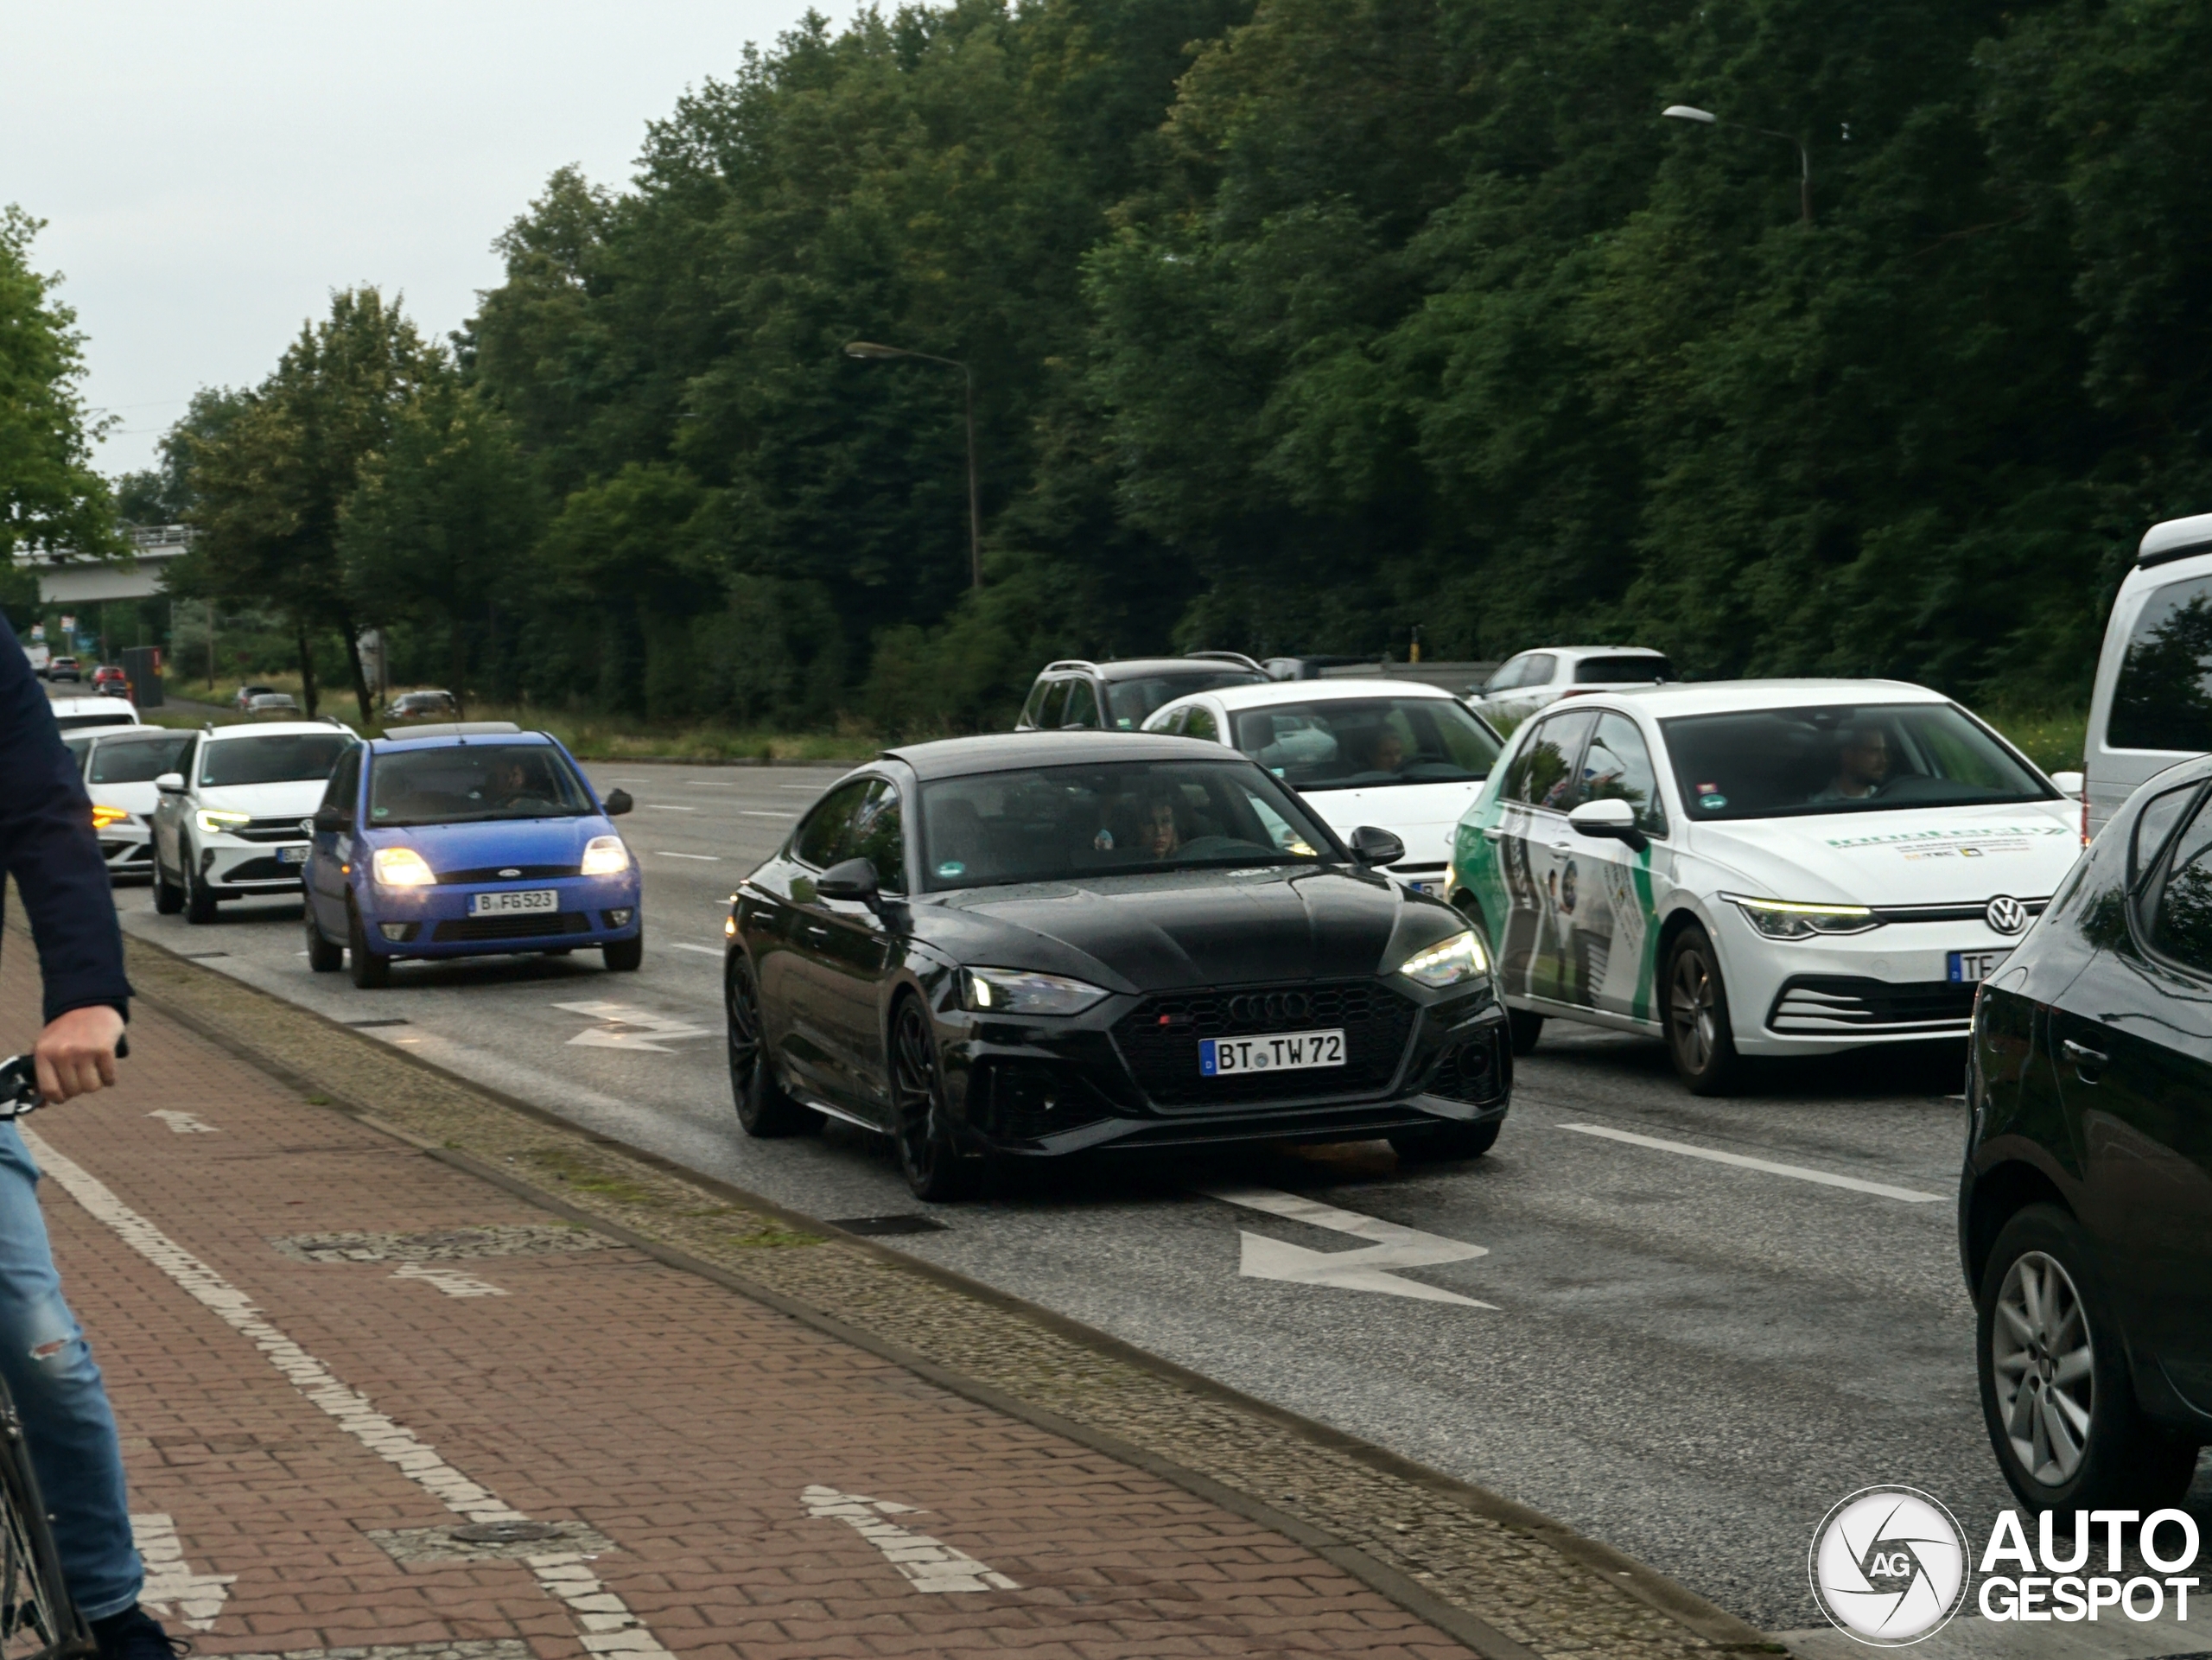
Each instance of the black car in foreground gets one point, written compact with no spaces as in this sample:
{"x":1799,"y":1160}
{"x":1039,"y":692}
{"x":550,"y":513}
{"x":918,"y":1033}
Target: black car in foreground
{"x":2085,"y":1208}
{"x":1042,"y":943}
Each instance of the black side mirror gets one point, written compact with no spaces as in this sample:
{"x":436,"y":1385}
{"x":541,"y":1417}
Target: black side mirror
{"x":617,"y":803}
{"x":329,"y":820}
{"x":1371,"y":846}
{"x":854,"y":880}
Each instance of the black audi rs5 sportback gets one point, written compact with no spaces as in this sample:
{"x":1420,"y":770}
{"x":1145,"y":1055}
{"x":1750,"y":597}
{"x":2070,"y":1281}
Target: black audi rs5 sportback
{"x":1041,"y":943}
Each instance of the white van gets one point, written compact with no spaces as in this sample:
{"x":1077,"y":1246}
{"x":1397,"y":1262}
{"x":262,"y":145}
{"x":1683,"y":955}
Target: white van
{"x":2152,"y":705}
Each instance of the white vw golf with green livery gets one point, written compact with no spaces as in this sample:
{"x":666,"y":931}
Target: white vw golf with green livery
{"x":1758,"y":867}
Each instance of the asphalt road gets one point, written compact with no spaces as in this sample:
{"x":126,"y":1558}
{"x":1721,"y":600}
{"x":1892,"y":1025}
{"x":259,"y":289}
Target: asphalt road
{"x":1688,"y":1358}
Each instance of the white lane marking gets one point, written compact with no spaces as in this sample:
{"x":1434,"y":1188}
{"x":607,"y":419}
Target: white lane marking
{"x":664,"y":806}
{"x":1350,"y":1270}
{"x":799,"y":786}
{"x":1827,"y":1178}
{"x":711,"y":783}
{"x":629,"y":1028}
{"x":929,"y":1564}
{"x":172,"y":1590}
{"x":686,"y":946}
{"x":396,"y":1444}
{"x":450,"y":1280}
{"x":710,"y":858}
{"x":608,"y":1626}
{"x":763,"y":812}
{"x":184,"y":1123}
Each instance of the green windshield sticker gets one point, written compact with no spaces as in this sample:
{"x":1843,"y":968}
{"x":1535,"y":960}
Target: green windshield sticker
{"x":952,"y":867}
{"x":1712,"y":803}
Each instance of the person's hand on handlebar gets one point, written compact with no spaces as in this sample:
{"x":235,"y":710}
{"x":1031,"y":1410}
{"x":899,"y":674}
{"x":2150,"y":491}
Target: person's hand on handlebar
{"x":76,"y":1052}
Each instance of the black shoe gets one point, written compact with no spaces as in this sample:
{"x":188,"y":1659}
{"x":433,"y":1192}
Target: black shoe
{"x":136,"y":1635}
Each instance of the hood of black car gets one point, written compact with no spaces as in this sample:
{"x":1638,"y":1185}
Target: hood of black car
{"x":1180,"y":929}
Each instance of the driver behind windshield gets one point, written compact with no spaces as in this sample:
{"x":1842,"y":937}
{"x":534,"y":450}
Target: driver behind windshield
{"x":1163,"y":834}
{"x":1862,"y":764}
{"x":1384,"y":751}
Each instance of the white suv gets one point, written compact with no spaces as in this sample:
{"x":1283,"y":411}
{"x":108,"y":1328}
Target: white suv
{"x":231,"y":822}
{"x":1525,"y":684}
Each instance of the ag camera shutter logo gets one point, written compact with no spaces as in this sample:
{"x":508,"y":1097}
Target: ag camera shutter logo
{"x":1889,"y":1566}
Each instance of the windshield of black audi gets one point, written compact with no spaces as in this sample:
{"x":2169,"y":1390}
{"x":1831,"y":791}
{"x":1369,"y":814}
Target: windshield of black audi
{"x":280,"y":758}
{"x":1358,"y":743}
{"x":1779,"y":763}
{"x":1062,"y":823}
{"x":1129,"y":704}
{"x":468,"y":783}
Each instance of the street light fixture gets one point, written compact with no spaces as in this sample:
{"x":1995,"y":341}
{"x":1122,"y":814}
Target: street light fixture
{"x":870,"y":350}
{"x":1707,"y":118}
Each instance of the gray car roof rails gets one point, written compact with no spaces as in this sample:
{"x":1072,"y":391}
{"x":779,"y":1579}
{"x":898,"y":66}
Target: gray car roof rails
{"x":1069,"y":663}
{"x":1237,"y":658}
{"x":453,"y":729}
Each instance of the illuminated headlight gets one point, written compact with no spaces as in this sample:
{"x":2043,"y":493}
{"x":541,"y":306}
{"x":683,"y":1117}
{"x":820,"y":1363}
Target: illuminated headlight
{"x":1781,"y":919}
{"x":403,"y":867}
{"x":604,"y":855}
{"x":1460,"y":957}
{"x":103,"y":817}
{"x":1012,"y":991}
{"x":214,"y":821}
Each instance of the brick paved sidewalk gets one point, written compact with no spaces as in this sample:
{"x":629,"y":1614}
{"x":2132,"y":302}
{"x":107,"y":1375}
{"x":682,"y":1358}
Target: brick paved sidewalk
{"x":329,"y":1353}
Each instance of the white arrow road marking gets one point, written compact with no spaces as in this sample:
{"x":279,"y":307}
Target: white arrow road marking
{"x":930,"y":1565}
{"x":1350,"y":1270}
{"x":1881,"y":1190}
{"x":173,"y":1590}
{"x":184,"y":1123}
{"x":450,"y":1280}
{"x":630,"y":1029}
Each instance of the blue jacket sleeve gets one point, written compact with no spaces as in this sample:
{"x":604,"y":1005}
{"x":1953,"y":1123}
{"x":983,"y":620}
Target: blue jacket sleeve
{"x":46,"y":844}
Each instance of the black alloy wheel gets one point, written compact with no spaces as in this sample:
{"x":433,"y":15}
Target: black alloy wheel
{"x":168,"y":896}
{"x":2056,"y":1392}
{"x":1694,"y":1010}
{"x":623,"y":955}
{"x":199,"y":903}
{"x":370,"y":972}
{"x":765,"y":1108}
{"x":323,"y":957}
{"x":932,"y":1165}
{"x":1433,"y":1144}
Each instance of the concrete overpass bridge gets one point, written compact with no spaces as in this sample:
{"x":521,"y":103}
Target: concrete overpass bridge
{"x":65,"y":578}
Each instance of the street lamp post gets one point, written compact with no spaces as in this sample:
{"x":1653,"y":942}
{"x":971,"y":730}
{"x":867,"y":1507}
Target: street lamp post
{"x":1707,"y":118}
{"x":871,"y":349}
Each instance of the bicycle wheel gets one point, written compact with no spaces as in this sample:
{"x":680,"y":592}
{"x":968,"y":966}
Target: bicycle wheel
{"x":37,"y":1619}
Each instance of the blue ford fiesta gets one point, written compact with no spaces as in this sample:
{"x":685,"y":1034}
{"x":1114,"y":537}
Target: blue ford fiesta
{"x":468,"y":840}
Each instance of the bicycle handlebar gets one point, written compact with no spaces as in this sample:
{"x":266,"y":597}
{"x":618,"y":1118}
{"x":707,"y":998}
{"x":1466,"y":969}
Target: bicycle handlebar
{"x":19,"y":1083}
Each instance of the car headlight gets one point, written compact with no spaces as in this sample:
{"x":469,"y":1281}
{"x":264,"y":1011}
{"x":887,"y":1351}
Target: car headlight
{"x":1460,"y":957}
{"x":214,"y":820}
{"x":105,"y":817}
{"x":1782,"y":919}
{"x":403,"y":867}
{"x":606,"y":856}
{"x":1015,"y":991}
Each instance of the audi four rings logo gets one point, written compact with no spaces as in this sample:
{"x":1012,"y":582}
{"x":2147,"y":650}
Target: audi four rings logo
{"x":2006,"y":914}
{"x":1270,"y":1005}
{"x":1889,"y":1564}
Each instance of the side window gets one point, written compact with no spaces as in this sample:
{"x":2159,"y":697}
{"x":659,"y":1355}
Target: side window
{"x":1056,"y":699}
{"x":1617,"y":767}
{"x":829,"y":826}
{"x":2153,"y":825}
{"x":1508,"y":675}
{"x":2163,"y":699}
{"x":2181,"y":922}
{"x":878,"y":836}
{"x":78,"y":748}
{"x":1174,"y":724}
{"x":344,"y":783}
{"x":1538,"y":671}
{"x":1036,"y":703}
{"x":1542,"y":771}
{"x":1200,"y":723}
{"x":1082,"y":708}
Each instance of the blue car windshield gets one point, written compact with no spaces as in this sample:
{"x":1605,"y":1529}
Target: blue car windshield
{"x":467,"y":784}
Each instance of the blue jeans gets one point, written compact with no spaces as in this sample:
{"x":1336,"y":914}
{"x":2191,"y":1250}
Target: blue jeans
{"x":71,"y":1431}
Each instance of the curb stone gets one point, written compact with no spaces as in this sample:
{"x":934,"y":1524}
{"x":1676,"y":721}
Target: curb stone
{"x":1505,"y":1580}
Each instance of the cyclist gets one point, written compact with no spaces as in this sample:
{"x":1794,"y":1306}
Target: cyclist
{"x":46,"y":844}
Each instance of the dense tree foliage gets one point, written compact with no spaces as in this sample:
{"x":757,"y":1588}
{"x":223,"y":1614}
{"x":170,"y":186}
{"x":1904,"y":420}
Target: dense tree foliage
{"x":1296,"y":324}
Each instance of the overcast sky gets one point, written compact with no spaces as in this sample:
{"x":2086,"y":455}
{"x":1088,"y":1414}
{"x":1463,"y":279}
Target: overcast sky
{"x":210,"y":171}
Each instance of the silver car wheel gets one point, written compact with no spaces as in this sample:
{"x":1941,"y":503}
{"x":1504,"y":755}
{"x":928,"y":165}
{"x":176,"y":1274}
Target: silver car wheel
{"x":2045,"y":1367}
{"x":1694,"y":1031}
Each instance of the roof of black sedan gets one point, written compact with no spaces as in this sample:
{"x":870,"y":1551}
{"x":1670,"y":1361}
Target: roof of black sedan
{"x":1001,"y":752}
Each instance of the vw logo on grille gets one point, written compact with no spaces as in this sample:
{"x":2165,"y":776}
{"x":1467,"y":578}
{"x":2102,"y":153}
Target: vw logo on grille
{"x":511,"y":871}
{"x":2005,"y":914}
{"x":1269,"y":1005}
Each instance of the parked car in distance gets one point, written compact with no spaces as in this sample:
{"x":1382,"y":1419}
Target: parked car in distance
{"x":2085,"y":1203}
{"x":74,"y":713}
{"x":1076,"y":694}
{"x":1525,"y":684}
{"x":119,"y":764}
{"x":230,"y":820}
{"x":1750,"y":867}
{"x":243,"y":698}
{"x":2148,"y":706}
{"x":467,"y":840}
{"x":64,"y":668}
{"x":422,"y":706}
{"x":986,"y":948}
{"x":110,"y":679}
{"x":278,"y":705}
{"x":1397,"y":754}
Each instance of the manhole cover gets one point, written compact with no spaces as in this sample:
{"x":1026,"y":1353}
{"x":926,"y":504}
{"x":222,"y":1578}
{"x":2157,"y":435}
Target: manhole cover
{"x":504,"y":1533}
{"x":881,"y":1225}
